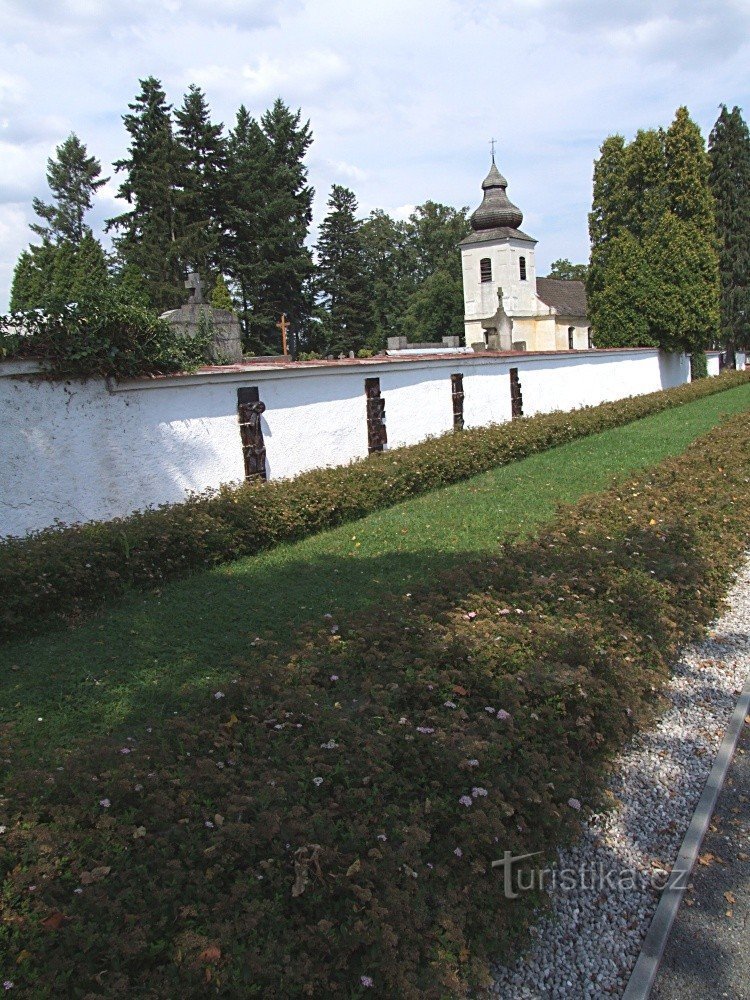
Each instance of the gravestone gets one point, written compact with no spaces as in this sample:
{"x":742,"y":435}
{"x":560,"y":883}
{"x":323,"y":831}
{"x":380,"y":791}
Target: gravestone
{"x":188,"y":320}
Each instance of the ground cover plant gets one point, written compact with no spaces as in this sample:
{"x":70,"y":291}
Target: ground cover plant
{"x":325,"y":823}
{"x":57,"y":574}
{"x":150,"y":653}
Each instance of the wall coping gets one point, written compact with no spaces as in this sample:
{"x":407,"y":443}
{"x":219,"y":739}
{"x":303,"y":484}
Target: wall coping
{"x":265,"y":369}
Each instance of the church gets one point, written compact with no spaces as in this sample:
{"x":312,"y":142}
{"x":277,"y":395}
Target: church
{"x":506,"y":306}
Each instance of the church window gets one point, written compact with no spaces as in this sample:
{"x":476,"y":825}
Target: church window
{"x":522,"y":267}
{"x":485,"y":270}
{"x":571,"y":334}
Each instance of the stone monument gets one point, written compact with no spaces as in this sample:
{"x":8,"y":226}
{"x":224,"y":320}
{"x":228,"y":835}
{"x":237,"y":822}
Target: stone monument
{"x":498,"y":329}
{"x":188,"y":320}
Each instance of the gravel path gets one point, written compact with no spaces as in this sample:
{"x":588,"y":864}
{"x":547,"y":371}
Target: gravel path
{"x":587,"y":946}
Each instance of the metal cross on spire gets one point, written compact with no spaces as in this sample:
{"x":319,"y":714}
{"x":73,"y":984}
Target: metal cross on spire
{"x":492,"y":146}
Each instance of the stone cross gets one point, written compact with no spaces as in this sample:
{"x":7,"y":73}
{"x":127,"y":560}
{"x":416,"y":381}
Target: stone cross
{"x":196,"y":285}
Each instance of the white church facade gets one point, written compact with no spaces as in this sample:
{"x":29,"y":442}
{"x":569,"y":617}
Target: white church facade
{"x":506,"y":305}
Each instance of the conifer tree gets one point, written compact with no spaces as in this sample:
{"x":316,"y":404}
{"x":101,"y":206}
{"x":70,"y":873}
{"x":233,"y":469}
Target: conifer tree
{"x":32,"y":278}
{"x":645,"y":196}
{"x":606,"y":221}
{"x":341,"y":275}
{"x":220,"y":297}
{"x":150,"y":235}
{"x":687,"y":173}
{"x":287,"y":266}
{"x":73,"y":177}
{"x":729,"y":152}
{"x":246,"y":219}
{"x":204,"y":161}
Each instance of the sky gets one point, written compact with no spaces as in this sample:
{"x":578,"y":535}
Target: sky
{"x":403,"y":96}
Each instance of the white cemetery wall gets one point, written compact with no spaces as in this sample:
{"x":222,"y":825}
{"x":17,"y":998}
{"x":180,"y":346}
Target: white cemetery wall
{"x":80,"y":451}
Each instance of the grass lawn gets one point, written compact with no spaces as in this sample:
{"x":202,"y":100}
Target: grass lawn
{"x":152,"y":654}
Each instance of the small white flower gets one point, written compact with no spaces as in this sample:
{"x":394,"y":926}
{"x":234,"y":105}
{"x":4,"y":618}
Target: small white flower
{"x":318,"y":781}
{"x":219,"y":694}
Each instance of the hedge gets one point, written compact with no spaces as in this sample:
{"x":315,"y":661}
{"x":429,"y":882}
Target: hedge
{"x":57,"y":574}
{"x":326,"y":824}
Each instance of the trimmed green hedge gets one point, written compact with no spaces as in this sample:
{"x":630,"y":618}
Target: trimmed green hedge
{"x":325,"y":825}
{"x":59,"y":573}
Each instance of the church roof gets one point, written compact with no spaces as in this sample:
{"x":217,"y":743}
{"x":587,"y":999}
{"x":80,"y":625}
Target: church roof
{"x":496,"y":210}
{"x":566,"y":297}
{"x":499,"y":233}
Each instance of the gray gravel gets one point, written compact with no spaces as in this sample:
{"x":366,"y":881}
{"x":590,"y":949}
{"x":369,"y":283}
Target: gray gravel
{"x":587,"y":945}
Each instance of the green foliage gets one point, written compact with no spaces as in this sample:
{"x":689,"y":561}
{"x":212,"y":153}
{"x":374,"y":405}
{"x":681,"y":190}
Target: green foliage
{"x":689,"y":195}
{"x":203,"y":199}
{"x":698,"y":365}
{"x":100,"y":338}
{"x":150,"y":234}
{"x":567,"y":271}
{"x":74,"y":178}
{"x":729,"y":152}
{"x":57,"y":574}
{"x":619,"y":299}
{"x":653,"y":279}
{"x":318,"y":796}
{"x":54,"y":275}
{"x":435,"y":309}
{"x":220,"y":297}
{"x":341,"y":279}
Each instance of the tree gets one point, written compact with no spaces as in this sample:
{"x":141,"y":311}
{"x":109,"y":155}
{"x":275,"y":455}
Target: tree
{"x":204,"y":163}
{"x":341,"y":275}
{"x":620,"y":299}
{"x":654,"y":269}
{"x":73,"y":177}
{"x":687,"y":174}
{"x":436,"y":309}
{"x":285,"y":263}
{"x":564,"y":270}
{"x":435,"y":231}
{"x":220,"y":297}
{"x":683,"y":301}
{"x":645,"y":195}
{"x":606,"y":220}
{"x":388,"y":264}
{"x":150,"y":234}
{"x":245,"y":211}
{"x":729,"y":153}
{"x":32,"y":278}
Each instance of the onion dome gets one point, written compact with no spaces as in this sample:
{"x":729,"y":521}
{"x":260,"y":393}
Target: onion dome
{"x":496,"y":209}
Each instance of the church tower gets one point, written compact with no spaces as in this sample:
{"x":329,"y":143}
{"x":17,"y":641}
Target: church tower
{"x":497,"y":256}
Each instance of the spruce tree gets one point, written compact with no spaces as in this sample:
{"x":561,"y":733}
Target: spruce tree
{"x":204,"y":162}
{"x":150,"y":235}
{"x":74,"y":178}
{"x":341,"y":275}
{"x":246,"y":219}
{"x":32,"y":278}
{"x":729,"y":152}
{"x":285,"y":265}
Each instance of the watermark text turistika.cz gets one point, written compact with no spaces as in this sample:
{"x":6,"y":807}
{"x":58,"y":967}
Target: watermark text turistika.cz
{"x":518,"y":877}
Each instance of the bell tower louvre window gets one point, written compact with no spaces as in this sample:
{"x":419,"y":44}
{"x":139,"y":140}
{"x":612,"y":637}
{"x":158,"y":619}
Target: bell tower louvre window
{"x":485,"y":270}
{"x":522,"y":267}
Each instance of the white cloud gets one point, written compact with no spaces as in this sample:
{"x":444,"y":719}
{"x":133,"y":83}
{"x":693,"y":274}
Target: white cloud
{"x":403,"y":95}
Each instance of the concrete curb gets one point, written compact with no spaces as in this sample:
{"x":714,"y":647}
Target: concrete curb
{"x":646,"y":968}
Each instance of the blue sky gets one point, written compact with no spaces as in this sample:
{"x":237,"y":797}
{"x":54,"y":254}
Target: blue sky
{"x":403,"y":95}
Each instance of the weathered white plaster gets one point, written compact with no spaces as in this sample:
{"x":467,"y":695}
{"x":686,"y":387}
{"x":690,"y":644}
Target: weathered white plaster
{"x":79,"y":451}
